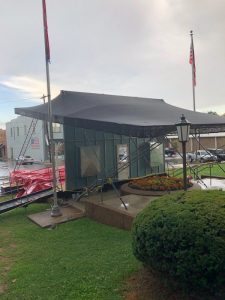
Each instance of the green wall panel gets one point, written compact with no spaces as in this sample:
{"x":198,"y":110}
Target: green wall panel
{"x":74,"y":138}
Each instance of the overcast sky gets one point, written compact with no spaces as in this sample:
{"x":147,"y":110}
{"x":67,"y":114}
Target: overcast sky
{"x":123,"y":47}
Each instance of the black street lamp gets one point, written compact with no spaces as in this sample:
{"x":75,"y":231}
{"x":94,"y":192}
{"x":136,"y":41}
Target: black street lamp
{"x":183,"y":129}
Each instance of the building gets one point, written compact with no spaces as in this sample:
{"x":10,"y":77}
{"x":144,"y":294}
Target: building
{"x":197,"y":142}
{"x":3,"y":147}
{"x":32,"y":134}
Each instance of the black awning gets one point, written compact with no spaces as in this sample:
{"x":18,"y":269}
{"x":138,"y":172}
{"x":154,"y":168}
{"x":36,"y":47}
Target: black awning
{"x":131,"y":116}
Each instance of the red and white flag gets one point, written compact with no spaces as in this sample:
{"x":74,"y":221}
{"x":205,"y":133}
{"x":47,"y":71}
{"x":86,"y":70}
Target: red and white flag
{"x":47,"y":48}
{"x":192,"y":62}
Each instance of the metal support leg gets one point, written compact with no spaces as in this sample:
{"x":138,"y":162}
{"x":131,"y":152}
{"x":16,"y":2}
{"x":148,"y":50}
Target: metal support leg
{"x":118,"y":194}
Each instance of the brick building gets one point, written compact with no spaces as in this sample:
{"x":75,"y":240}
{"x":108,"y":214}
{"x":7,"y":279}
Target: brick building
{"x":203,"y":141}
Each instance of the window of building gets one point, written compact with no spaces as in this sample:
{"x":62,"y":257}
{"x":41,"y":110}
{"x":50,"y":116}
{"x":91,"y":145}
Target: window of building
{"x":25,"y":129}
{"x":18,"y":131}
{"x":11,"y":131}
{"x":57,"y":127}
{"x":11,"y":153}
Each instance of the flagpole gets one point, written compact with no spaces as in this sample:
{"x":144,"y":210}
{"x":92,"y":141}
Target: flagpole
{"x":55,"y":212}
{"x":193,"y":69}
{"x":192,"y":57}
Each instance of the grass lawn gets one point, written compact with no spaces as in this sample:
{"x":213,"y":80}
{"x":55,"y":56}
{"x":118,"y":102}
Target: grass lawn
{"x":202,"y":169}
{"x":5,"y":198}
{"x":76,"y":260}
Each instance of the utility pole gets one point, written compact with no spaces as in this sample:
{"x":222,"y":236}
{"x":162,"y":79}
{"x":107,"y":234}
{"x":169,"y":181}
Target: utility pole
{"x":46,"y":134}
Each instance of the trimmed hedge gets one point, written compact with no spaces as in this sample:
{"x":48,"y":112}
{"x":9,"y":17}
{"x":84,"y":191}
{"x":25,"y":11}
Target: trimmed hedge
{"x":183,"y":235}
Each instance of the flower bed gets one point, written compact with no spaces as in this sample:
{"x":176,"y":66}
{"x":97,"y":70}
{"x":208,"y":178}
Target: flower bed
{"x":158,"y":183}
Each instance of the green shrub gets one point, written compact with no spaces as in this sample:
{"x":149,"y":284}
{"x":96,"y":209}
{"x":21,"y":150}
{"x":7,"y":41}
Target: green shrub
{"x":183,"y":235}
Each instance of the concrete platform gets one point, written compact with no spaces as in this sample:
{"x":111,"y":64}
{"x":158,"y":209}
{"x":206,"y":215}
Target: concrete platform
{"x":134,"y":203}
{"x":44,"y":219}
{"x":109,"y":209}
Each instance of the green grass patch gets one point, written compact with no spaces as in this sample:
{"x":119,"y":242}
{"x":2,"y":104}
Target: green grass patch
{"x":213,"y":169}
{"x":201,"y":169}
{"x":6,"y":197}
{"x":76,"y":260}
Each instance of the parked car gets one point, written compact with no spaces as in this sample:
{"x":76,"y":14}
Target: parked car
{"x":25,"y":160}
{"x":219,"y":153}
{"x":202,"y":156}
{"x":170,"y":152}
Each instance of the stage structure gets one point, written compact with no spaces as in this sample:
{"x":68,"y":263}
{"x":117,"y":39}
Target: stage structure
{"x":111,"y":138}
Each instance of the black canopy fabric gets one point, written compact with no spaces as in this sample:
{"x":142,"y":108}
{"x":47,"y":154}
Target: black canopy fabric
{"x":131,"y":116}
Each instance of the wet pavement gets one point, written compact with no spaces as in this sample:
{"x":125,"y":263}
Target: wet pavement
{"x":212,"y":184}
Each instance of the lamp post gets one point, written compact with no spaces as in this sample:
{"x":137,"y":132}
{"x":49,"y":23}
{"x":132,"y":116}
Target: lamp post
{"x":183,"y":129}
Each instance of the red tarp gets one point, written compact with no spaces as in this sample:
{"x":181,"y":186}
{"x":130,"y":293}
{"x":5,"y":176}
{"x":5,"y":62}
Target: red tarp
{"x":36,"y":180}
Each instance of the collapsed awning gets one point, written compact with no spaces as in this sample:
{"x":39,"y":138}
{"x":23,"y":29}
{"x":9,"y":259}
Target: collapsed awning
{"x":131,"y":116}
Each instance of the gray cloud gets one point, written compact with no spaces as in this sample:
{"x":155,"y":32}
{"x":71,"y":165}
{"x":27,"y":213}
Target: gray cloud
{"x":125,"y":47}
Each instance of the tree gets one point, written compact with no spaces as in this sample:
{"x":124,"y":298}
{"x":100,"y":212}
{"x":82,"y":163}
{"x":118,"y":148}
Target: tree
{"x":213,"y":113}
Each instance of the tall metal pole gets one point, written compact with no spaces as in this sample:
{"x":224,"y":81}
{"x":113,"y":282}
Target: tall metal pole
{"x":184,"y":166}
{"x":55,"y":208}
{"x":193,"y":69}
{"x":46,"y":134}
{"x":192,"y":61}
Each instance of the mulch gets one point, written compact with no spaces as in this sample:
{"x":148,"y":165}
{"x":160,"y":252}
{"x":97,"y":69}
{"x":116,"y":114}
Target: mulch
{"x":147,"y":285}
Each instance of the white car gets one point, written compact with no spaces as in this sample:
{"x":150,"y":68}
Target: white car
{"x":202,"y":156}
{"x":25,"y":160}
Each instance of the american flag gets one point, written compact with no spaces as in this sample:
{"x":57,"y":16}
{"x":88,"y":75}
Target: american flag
{"x":35,"y":142}
{"x":192,"y":62}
